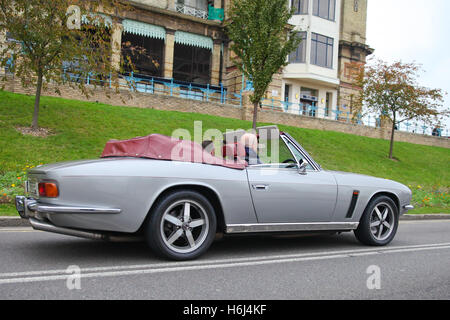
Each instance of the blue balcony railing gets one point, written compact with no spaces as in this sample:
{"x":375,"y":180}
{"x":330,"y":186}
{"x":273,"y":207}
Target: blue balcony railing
{"x":158,"y":85}
{"x":312,"y":110}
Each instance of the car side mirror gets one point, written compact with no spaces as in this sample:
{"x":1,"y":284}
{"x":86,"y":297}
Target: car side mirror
{"x":302,"y":167}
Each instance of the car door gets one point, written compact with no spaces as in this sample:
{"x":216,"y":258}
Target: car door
{"x":282,"y":195}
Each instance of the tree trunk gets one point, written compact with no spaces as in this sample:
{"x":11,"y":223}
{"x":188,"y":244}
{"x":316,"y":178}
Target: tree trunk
{"x":37,"y":101}
{"x":391,"y":149}
{"x":255,"y":114}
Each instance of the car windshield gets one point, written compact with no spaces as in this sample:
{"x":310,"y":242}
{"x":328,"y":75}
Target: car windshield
{"x":279,"y":152}
{"x":300,"y":158}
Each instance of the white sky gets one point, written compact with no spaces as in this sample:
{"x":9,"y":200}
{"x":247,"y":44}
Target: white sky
{"x":413,"y":30}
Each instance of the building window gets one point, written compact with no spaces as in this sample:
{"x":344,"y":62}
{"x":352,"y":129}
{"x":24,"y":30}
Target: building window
{"x":308,"y":101}
{"x":287,"y":92}
{"x":146,"y":54}
{"x":328,"y":104}
{"x":322,"y":50}
{"x":191,"y":64}
{"x":325,"y":9}
{"x":299,"y":55}
{"x":300,"y":6}
{"x":356,"y":5}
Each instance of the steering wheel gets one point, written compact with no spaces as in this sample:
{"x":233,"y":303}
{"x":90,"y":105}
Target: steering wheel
{"x":292,"y":161}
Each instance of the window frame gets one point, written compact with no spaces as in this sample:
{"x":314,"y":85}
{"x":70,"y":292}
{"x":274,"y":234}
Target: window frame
{"x":298,"y":5}
{"x":317,"y":14}
{"x":304,"y":42}
{"x":314,"y":52}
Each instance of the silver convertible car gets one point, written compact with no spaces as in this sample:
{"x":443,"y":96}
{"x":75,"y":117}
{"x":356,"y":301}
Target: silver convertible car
{"x":178,"y":195}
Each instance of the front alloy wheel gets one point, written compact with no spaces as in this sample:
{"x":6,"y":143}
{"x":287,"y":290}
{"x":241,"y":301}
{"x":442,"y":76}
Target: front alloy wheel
{"x":382,"y":221}
{"x":379,"y":222}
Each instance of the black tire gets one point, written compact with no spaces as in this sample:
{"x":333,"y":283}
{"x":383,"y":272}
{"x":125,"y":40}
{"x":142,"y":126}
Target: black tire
{"x":157,"y":231}
{"x":365,"y":233}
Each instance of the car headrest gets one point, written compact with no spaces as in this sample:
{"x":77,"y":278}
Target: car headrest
{"x":233,"y":150}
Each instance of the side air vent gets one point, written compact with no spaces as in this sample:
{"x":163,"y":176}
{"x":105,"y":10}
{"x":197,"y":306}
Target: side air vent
{"x":351,"y":209}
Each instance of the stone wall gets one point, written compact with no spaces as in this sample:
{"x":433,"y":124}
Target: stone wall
{"x":164,"y":102}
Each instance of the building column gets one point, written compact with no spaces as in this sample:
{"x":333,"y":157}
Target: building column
{"x":171,"y":4}
{"x":2,"y":44}
{"x":226,"y":8}
{"x":215,"y":64}
{"x":169,"y":53}
{"x":116,"y":45}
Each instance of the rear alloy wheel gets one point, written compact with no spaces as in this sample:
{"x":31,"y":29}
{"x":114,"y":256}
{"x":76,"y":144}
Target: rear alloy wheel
{"x":379,"y":223}
{"x":182,"y":226}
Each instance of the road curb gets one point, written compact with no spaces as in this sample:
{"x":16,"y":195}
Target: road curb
{"x":13,"y":222}
{"x":19,"y":222}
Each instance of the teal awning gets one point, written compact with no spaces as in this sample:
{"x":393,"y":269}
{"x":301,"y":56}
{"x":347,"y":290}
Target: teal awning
{"x":144,"y":29}
{"x":192,"y":39}
{"x":215,"y":13}
{"x":95,"y":19}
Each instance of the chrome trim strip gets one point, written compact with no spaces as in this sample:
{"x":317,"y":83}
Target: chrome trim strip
{"x":408,"y":207}
{"x":58,"y":209}
{"x":34,"y":206}
{"x":285,"y":227}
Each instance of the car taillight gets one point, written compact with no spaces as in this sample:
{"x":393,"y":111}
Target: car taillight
{"x":48,"y":190}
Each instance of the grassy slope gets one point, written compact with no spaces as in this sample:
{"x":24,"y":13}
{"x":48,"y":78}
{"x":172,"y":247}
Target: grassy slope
{"x":82,"y":129}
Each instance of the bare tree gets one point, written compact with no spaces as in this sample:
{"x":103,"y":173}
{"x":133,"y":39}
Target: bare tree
{"x":52,"y":47}
{"x":392,"y":91}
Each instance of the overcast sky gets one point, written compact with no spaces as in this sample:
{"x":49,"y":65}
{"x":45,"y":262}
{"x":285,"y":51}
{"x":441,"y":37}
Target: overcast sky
{"x":413,"y":30}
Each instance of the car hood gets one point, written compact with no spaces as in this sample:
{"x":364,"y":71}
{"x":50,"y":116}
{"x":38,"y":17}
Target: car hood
{"x":355,"y":179}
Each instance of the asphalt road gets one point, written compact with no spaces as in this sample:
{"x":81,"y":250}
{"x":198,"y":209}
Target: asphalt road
{"x":33,"y":265}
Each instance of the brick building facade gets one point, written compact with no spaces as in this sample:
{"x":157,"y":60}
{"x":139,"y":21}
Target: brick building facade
{"x":187,"y":45}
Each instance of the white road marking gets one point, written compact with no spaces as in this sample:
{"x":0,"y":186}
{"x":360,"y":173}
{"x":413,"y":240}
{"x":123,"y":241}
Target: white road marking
{"x":99,"y":272}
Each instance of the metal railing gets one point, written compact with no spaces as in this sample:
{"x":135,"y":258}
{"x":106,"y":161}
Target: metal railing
{"x":181,"y":89}
{"x":314,"y":111}
{"x":163,"y":86}
{"x":192,"y":11}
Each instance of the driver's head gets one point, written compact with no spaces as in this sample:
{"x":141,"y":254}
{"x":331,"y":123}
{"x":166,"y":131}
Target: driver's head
{"x":250,"y":140}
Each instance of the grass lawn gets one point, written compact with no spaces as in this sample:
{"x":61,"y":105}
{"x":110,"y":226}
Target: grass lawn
{"x":81,"y":130}
{"x":8,"y":209}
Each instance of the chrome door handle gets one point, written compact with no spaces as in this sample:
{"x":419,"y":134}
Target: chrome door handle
{"x":260,"y":187}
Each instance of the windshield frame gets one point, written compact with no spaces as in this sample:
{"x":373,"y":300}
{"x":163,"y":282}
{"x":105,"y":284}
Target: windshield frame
{"x":302,"y":151}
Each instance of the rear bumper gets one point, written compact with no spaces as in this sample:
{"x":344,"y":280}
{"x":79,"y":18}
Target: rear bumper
{"x":37,"y":214}
{"x":31,"y":208}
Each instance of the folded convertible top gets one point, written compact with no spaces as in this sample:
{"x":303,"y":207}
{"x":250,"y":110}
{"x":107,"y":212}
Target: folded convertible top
{"x":160,"y":147}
